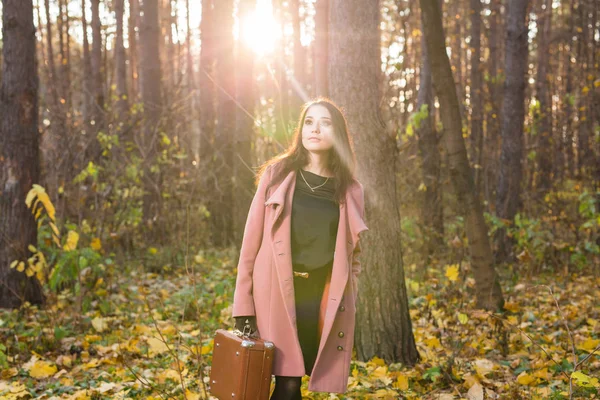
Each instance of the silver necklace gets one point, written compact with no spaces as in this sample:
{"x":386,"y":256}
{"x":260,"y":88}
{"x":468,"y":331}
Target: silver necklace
{"x":310,"y":187}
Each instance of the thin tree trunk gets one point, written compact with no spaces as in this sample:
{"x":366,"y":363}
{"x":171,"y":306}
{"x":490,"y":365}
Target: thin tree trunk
{"x":299,"y":77}
{"x":321,"y":47}
{"x":19,"y":164}
{"x":487,"y":285}
{"x":383,"y":324}
{"x":476,"y":99}
{"x":513,"y":115}
{"x":492,"y":132}
{"x":207,"y":96}
{"x":432,"y":210}
{"x":149,"y":141}
{"x":120,"y":63}
{"x":97,"y":113}
{"x":244,"y":176}
{"x":544,"y":134}
{"x":222,"y":200}
{"x":134,"y":22}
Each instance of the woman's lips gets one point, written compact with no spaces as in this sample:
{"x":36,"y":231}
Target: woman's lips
{"x":312,"y":139}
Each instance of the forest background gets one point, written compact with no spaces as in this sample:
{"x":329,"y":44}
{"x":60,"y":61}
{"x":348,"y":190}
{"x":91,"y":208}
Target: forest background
{"x":131,"y":130}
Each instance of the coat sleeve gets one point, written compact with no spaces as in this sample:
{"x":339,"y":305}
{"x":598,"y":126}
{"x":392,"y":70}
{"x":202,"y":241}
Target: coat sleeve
{"x":243,"y":303}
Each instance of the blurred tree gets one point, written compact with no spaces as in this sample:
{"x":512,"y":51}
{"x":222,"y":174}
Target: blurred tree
{"x":487,"y":285}
{"x":513,"y":114}
{"x":19,"y":152}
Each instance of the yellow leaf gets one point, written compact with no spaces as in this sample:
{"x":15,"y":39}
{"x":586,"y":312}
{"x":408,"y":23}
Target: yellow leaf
{"x":475,"y":392}
{"x":191,"y":395}
{"x":525,"y":379}
{"x":32,"y":248}
{"x":80,"y":395}
{"x":168,"y":374}
{"x":597,"y":83}
{"x":99,"y":324}
{"x":378,"y":361}
{"x":401,"y":382}
{"x":42,"y":369}
{"x":152,"y":250}
{"x":585,"y":90}
{"x":589,"y":344}
{"x":512,"y":307}
{"x":29,"y":272}
{"x":14,"y":263}
{"x":72,"y":239}
{"x":21,"y":266}
{"x":452,"y":272}
{"x":207,"y":348}
{"x":583,"y":380}
{"x":463,"y":318}
{"x":96,"y":244}
{"x":156,"y":346}
{"x":433,"y":342}
{"x":543,"y":374}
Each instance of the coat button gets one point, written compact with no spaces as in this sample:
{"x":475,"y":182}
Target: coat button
{"x":340,"y":348}
{"x":342,"y":308}
{"x":341,"y":334}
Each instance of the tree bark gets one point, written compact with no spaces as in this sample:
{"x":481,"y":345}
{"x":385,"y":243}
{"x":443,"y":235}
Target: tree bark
{"x":149,"y":140}
{"x":383,"y":326}
{"x":476,"y":99}
{"x":19,"y":164}
{"x":432,"y":210}
{"x":207,"y":97}
{"x":245,"y":91}
{"x":487,"y":285}
{"x":513,"y":115}
{"x":134,"y":22}
{"x":221,"y":202}
{"x":321,"y":47}
{"x":121,"y":64}
{"x":544,"y":118}
{"x":97,"y":113}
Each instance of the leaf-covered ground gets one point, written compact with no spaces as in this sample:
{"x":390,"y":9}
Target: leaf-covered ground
{"x":148,"y":335}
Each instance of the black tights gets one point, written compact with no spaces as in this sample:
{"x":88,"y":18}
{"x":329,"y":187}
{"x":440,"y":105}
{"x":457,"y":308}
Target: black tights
{"x":287,"y":388}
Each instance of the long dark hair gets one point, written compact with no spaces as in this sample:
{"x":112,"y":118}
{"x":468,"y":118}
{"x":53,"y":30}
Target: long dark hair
{"x":341,"y":158}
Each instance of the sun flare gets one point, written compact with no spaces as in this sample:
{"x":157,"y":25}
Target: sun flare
{"x":259,"y":30}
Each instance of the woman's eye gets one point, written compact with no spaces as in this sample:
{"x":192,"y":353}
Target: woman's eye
{"x":307,"y":122}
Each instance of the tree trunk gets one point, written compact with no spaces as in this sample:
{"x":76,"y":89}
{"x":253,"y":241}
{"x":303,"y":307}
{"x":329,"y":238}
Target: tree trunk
{"x":543,"y":122}
{"x":299,"y":78}
{"x":222,"y":200}
{"x":244,"y":175}
{"x":487,"y":285}
{"x":207,"y":98}
{"x":476,"y":99}
{"x":149,"y":141}
{"x":134,"y":22}
{"x":88,"y":87}
{"x":383,"y":326}
{"x":19,"y":164}
{"x":121,"y":64}
{"x":321,"y":47}
{"x":513,"y":115}
{"x":492,"y":132}
{"x":432,"y":210}
{"x":97,"y":115}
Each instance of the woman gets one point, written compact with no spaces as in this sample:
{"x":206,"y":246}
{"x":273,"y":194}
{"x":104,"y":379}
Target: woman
{"x":297,"y":274}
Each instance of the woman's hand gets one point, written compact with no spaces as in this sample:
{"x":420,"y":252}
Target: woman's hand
{"x":245,"y":322}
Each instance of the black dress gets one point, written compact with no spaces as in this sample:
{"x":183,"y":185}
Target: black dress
{"x":315,"y":219}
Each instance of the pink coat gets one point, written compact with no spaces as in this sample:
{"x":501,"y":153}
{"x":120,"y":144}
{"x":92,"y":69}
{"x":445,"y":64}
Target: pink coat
{"x":265,"y":286}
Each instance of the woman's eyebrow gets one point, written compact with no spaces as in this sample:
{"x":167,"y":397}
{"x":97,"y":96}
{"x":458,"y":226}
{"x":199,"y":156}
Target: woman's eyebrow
{"x":321,"y":117}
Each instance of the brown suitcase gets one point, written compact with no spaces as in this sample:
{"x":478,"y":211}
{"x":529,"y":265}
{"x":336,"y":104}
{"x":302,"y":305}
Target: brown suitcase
{"x":241,"y":367}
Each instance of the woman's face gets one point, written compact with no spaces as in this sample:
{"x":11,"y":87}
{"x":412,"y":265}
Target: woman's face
{"x":317,"y":130}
